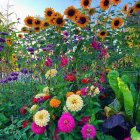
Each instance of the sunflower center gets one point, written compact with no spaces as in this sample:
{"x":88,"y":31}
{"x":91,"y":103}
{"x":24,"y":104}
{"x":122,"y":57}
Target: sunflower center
{"x":102,"y":33}
{"x":37,"y":28}
{"x":37,"y":22}
{"x":86,"y":2}
{"x":138,"y":5}
{"x":82,"y":20}
{"x":29,"y":21}
{"x":106,"y":3}
{"x":131,"y":11}
{"x":46,"y":24}
{"x":71,"y":12}
{"x":116,"y":23}
{"x":49,"y":13}
{"x":59,"y":21}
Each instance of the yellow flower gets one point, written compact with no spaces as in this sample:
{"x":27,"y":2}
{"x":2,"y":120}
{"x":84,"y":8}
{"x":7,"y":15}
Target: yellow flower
{"x":46,"y":90}
{"x":33,"y":108}
{"x":42,"y":118}
{"x":74,"y":102}
{"x":51,"y":73}
{"x":96,"y":91}
{"x":40,"y":95}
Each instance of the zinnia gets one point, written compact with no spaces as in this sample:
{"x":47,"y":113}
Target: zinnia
{"x":54,"y":103}
{"x":88,"y":131}
{"x":37,"y":129}
{"x":63,"y":61}
{"x":42,"y":118}
{"x":51,"y":73}
{"x":74,"y":102}
{"x":70,"y":77}
{"x":66,"y":123}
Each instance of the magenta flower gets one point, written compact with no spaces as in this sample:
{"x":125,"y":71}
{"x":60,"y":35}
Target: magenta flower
{"x":63,"y":61}
{"x":48,"y":62}
{"x":84,"y":120}
{"x":102,"y":78}
{"x":66,"y":123}
{"x":95,"y":45}
{"x":127,"y":138}
{"x":88,"y":131}
{"x":84,"y":91}
{"x":37,"y":129}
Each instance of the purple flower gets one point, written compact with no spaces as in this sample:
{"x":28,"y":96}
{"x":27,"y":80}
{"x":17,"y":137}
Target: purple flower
{"x":14,"y":74}
{"x":1,"y":48}
{"x":30,"y":49}
{"x":2,"y":40}
{"x":24,"y":71}
{"x":3,"y":33}
{"x":48,"y":47}
{"x":65,"y":33}
{"x":95,"y":45}
{"x":9,"y":78}
{"x":14,"y":78}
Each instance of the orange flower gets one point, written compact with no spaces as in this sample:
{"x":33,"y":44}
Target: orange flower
{"x":85,"y":4}
{"x":125,"y":8}
{"x":68,"y":94}
{"x":104,"y":4}
{"x":137,"y":6}
{"x":54,"y":103}
{"x":116,"y":2}
{"x":78,"y":92}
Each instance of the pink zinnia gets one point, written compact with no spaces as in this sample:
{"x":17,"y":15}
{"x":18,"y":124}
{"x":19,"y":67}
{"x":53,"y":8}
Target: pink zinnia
{"x":48,"y":62}
{"x":88,"y":131}
{"x":37,"y":129}
{"x":127,"y":138}
{"x":84,"y":91}
{"x":66,"y":123}
{"x":63,"y":61}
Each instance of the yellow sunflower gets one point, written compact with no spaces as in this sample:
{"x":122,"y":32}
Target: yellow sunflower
{"x":49,"y":12}
{"x":20,"y":36}
{"x":125,"y":8}
{"x":8,"y":41}
{"x":70,"y":12}
{"x":137,"y":6}
{"x":91,"y":11}
{"x":131,"y":11}
{"x":102,"y":34}
{"x":44,"y":24}
{"x":85,"y":4}
{"x":56,"y":14}
{"x":37,"y":22}
{"x":24,"y":29}
{"x":52,"y":20}
{"x":37,"y":29}
{"x":116,"y":23}
{"x":116,"y":2}
{"x":82,"y":20}
{"x":104,"y":4}
{"x":29,"y":21}
{"x":59,"y":21}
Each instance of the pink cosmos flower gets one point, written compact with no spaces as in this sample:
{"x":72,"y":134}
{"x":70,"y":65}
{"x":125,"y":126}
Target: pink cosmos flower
{"x":63,"y":61}
{"x":48,"y":62}
{"x":66,"y":123}
{"x":37,"y":129}
{"x":88,"y":131}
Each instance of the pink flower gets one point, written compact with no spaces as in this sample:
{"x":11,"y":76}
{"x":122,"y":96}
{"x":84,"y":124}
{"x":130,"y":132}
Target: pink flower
{"x":37,"y":129}
{"x":84,"y":120}
{"x":102,"y":78}
{"x":66,"y":123}
{"x":63,"y":61}
{"x":48,"y":62}
{"x":95,"y":45}
{"x":127,"y":138}
{"x":88,"y":131}
{"x":84,"y":91}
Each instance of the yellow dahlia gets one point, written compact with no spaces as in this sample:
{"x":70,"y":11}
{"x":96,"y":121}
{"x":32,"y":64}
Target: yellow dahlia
{"x":51,"y":73}
{"x":74,"y":102}
{"x":42,"y":118}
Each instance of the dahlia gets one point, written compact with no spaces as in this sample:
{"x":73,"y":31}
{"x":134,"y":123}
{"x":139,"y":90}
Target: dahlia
{"x":88,"y":131}
{"x":37,"y":129}
{"x":66,"y":123}
{"x":51,"y":73}
{"x":42,"y":118}
{"x":74,"y":102}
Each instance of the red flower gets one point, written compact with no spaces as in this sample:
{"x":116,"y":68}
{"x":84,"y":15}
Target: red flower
{"x":23,"y":110}
{"x":34,"y":100}
{"x":48,"y":62}
{"x":63,"y":61}
{"x":84,"y":120}
{"x":70,"y":77}
{"x":24,"y":124}
{"x":102,"y":78}
{"x":85,"y":80}
{"x":46,"y":97}
{"x":102,"y":97}
{"x":84,"y":68}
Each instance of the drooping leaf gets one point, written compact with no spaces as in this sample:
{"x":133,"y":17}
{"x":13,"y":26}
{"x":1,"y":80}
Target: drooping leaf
{"x":135,"y":135}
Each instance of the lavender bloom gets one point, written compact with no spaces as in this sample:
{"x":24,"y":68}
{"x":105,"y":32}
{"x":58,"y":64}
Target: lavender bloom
{"x":3,"y":33}
{"x":48,"y":47}
{"x":30,"y":49}
{"x":14,"y":74}
{"x":2,"y":40}
{"x":9,"y":78}
{"x":14,"y":78}
{"x":24,"y":71}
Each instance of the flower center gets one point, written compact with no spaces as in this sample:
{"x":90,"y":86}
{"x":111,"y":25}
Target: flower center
{"x":82,"y":20}
{"x":59,"y":21}
{"x":71,"y":12}
{"x":103,"y":33}
{"x":29,"y":21}
{"x":138,"y":5}
{"x":116,"y":23}
{"x":41,"y":117}
{"x":106,"y":3}
{"x":86,"y":2}
{"x":49,"y":13}
{"x":66,"y":121}
{"x":37,"y":22}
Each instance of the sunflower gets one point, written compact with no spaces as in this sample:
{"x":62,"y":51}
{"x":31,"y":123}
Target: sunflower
{"x":37,"y":29}
{"x":49,"y":12}
{"x":85,"y":4}
{"x":116,"y":23}
{"x":56,"y":14}
{"x":91,"y":11}
{"x":102,"y":34}
{"x":52,"y":20}
{"x":59,"y":21}
{"x":37,"y":22}
{"x":8,"y":41}
{"x":20,"y":36}
{"x":104,"y":4}
{"x":70,"y":12}
{"x":131,"y":11}
{"x":116,"y":2}
{"x":29,"y":21}
{"x":137,"y":6}
{"x":82,"y":21}
{"x":125,"y":8}
{"x":44,"y":24}
{"x":24,"y":29}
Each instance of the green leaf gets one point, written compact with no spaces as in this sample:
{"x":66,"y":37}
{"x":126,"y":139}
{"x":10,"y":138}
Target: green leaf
{"x":135,"y":135}
{"x":3,"y":118}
